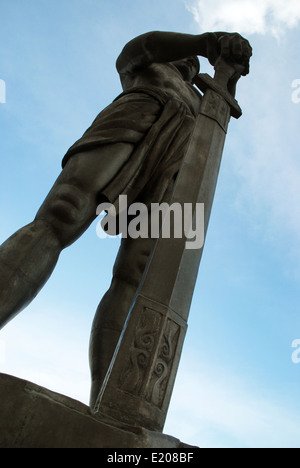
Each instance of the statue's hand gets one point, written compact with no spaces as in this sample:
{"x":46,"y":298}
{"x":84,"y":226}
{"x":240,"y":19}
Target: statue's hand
{"x":231,"y":46}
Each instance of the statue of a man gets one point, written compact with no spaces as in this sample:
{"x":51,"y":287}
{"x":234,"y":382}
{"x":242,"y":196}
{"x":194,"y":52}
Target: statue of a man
{"x":134,"y":147}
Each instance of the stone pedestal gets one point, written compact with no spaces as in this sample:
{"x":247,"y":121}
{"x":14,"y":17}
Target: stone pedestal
{"x":34,"y":417}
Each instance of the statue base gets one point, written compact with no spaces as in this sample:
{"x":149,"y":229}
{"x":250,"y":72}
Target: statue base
{"x":34,"y":417}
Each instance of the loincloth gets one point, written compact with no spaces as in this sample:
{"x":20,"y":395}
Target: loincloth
{"x":157,"y":125}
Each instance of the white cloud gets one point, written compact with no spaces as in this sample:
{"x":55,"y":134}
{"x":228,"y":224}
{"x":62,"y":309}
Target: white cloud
{"x":246,"y":16}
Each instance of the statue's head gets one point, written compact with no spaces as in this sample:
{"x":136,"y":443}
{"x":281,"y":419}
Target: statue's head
{"x":189,"y":67}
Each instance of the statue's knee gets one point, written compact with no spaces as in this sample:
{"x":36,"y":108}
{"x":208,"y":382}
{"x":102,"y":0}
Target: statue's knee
{"x":65,"y":208}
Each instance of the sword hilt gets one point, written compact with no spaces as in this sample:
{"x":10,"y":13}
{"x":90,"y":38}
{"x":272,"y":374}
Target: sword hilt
{"x":224,"y":82}
{"x":227,"y":74}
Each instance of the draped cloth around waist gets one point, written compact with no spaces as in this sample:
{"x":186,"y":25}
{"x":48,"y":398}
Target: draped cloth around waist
{"x":159,"y":127}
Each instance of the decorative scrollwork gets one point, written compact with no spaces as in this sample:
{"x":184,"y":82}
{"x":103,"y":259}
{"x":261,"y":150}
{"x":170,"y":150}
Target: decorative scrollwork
{"x":147,"y":331}
{"x":163,"y":365}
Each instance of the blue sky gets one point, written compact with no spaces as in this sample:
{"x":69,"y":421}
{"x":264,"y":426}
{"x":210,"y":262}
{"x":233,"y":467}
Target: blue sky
{"x":237,"y":385}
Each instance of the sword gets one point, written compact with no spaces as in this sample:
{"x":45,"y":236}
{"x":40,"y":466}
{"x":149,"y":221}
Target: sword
{"x":138,"y":386}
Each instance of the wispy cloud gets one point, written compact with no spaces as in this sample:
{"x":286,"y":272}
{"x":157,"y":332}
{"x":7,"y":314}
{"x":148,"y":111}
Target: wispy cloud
{"x":263,"y":148}
{"x":228,"y":408}
{"x":263,"y":145}
{"x":246,"y":16}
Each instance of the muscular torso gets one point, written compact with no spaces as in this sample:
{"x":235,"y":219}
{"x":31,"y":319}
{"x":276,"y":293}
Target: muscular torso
{"x":166,"y":77}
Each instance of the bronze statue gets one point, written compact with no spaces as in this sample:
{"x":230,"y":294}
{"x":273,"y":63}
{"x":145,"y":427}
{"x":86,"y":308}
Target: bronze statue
{"x":134,"y":147}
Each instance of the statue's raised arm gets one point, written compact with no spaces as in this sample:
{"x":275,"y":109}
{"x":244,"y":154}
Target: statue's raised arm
{"x":161,"y":46}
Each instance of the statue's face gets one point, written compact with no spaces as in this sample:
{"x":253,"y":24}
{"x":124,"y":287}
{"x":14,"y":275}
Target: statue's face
{"x":188,"y":67}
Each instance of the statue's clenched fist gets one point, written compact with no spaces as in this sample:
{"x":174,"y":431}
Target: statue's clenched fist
{"x":231,"y":46}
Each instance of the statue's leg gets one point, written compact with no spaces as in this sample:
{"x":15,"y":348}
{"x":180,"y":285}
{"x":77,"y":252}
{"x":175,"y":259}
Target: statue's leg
{"x":28,"y":258}
{"x":113,"y":309}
